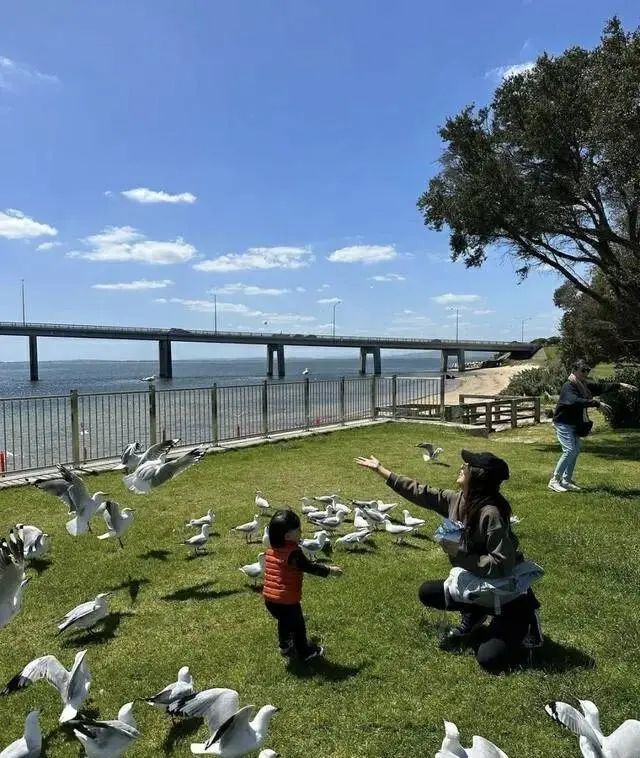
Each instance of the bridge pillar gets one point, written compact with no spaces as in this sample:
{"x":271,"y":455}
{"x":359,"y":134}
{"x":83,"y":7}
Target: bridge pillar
{"x":461,"y":364}
{"x":279,"y":353}
{"x":33,"y":358}
{"x":377,"y":360}
{"x":164,"y":355}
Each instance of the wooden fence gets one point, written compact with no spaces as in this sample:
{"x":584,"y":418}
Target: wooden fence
{"x":496,"y":410}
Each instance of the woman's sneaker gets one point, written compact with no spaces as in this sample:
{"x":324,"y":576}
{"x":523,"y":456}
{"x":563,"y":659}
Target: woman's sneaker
{"x":316,"y":652}
{"x":571,"y":486}
{"x":556,"y":486}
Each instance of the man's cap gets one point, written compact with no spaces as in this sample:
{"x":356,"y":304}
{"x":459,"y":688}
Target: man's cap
{"x":489,"y":462}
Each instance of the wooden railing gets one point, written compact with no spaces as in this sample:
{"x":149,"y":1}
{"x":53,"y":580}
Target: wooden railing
{"x":495,"y":410}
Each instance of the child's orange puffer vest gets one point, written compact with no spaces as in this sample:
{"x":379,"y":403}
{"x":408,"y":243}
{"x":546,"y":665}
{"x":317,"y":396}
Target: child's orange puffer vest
{"x":282,"y":583}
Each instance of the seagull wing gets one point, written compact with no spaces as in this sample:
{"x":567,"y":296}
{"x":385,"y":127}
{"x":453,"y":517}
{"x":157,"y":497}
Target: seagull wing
{"x":112,"y":516}
{"x":179,"y":465}
{"x":625,"y":741}
{"x":47,"y":667}
{"x":215,"y":706}
{"x":574,"y":721}
{"x":80,"y":611}
{"x":160,"y":449}
{"x":77,"y":491}
{"x":234,"y":728}
{"x":11,"y":578}
{"x":482,"y":748}
{"x":57,"y":488}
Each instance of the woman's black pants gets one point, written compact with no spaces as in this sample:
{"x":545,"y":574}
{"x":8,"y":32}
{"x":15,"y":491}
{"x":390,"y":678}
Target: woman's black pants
{"x":501,"y":643}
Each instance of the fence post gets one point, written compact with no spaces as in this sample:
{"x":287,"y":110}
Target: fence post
{"x":75,"y":427}
{"x":307,"y":404}
{"x":374,"y":385}
{"x":461,"y":399}
{"x":536,"y":410}
{"x":342,"y":410}
{"x":443,"y":391}
{"x":265,"y":409}
{"x":488,"y":413}
{"x":153,"y":417}
{"x":215,"y":432}
{"x":394,"y":395}
{"x":514,"y":414}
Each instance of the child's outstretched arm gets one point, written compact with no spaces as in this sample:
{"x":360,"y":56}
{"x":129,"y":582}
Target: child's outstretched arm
{"x":298,"y":559}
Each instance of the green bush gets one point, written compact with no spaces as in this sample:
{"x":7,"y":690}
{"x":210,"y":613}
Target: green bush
{"x":534,"y":382}
{"x":625,"y":406}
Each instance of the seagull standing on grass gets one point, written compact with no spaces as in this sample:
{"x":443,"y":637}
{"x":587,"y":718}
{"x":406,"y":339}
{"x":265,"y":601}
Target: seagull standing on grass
{"x":154,"y":473}
{"x":73,"y":686}
{"x":247,"y":529}
{"x":30,"y":744}
{"x":36,"y":542}
{"x":85,"y":615}
{"x":172,"y":692}
{"x":320,"y":539}
{"x":410,"y":520}
{"x":118,"y":521}
{"x":399,"y":530}
{"x":326,"y":499}
{"x":262,"y":504}
{"x":480,"y":748}
{"x":107,"y":739}
{"x":12,"y":576}
{"x":307,"y":506}
{"x":374,"y":515}
{"x":331,"y":522}
{"x":359,"y":520}
{"x":624,"y":742}
{"x":265,"y":538}
{"x":199,"y":541}
{"x":384,"y":507}
{"x":254,"y":570}
{"x":354,"y":538}
{"x":208,"y":519}
{"x":430,"y":452}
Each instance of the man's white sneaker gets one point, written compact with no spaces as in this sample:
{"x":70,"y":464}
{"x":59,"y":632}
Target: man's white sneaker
{"x":555,"y":485}
{"x":571,"y":487}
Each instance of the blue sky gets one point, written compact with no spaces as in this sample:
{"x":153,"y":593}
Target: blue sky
{"x":155,"y":154}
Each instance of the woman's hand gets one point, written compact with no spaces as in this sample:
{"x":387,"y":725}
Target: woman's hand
{"x":629,"y":387}
{"x":450,"y":547}
{"x":371,"y":462}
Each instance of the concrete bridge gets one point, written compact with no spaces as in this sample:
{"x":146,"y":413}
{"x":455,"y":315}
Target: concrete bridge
{"x":275,"y":343}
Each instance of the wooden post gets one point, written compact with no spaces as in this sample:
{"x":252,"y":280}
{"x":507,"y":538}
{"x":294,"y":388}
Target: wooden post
{"x":536,"y":410}
{"x":488,"y":412}
{"x":374,"y":382}
{"x":307,"y":419}
{"x":215,"y":432}
{"x":265,"y":409}
{"x":394,"y":395}
{"x":342,"y":409}
{"x":75,"y":427}
{"x":443,"y":392}
{"x":514,"y":414}
{"x":153,"y":418}
{"x":461,"y":399}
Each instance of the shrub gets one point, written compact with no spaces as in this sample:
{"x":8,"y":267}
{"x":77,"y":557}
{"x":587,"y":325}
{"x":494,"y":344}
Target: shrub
{"x":625,"y":406}
{"x":534,"y":382}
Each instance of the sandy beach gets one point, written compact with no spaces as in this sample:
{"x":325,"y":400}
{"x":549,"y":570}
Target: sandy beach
{"x":484,"y":381}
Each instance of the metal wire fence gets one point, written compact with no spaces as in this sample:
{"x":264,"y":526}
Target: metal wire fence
{"x":38,"y":432}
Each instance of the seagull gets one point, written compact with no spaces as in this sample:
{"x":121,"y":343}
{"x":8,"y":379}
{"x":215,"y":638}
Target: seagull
{"x":384,"y":507}
{"x":410,"y":520}
{"x":12,"y":576}
{"x":30,"y":744}
{"x":85,"y":615}
{"x":208,"y":519}
{"x":365,"y":503}
{"x":254,"y":570}
{"x":265,"y":538}
{"x":354,"y":538}
{"x":514,"y":519}
{"x":248,"y":529}
{"x":375,"y":516}
{"x":326,"y":499}
{"x":268,"y":753}
{"x":58,"y":488}
{"x":152,"y":474}
{"x":307,"y":506}
{"x":305,"y":372}
{"x":215,"y":706}
{"x":118,"y":521}
{"x":341,"y":508}
{"x":360,"y":522}
{"x":320,"y":539}
{"x":107,"y":739}
{"x":480,"y":748}
{"x":172,"y":692}
{"x":84,"y":505}
{"x":133,"y":454}
{"x":242,"y":733}
{"x":36,"y":542}
{"x":430,"y":452}
{"x":398,"y":529}
{"x":73,"y":686}
{"x":624,"y":742}
{"x":318,"y":515}
{"x":261,"y":502}
{"x":151,"y":378}
{"x":199,"y":541}
{"x":331,"y":522}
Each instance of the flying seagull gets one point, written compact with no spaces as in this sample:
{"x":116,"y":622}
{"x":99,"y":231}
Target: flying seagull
{"x":30,"y":744}
{"x":107,"y":739}
{"x":84,"y":505}
{"x":152,"y":474}
{"x":133,"y":454}
{"x":85,"y":615}
{"x":430,"y":452}
{"x":12,"y":576}
{"x":117,"y":520}
{"x":36,"y":542}
{"x":73,"y":686}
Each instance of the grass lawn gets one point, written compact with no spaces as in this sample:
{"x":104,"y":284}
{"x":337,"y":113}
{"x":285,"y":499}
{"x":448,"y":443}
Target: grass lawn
{"x":385,"y":687}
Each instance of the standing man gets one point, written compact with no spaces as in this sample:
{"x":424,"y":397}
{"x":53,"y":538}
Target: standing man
{"x":572,"y":421}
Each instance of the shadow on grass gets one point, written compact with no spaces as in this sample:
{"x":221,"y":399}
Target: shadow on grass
{"x":628,"y":448}
{"x":180,"y":730}
{"x":556,"y":658}
{"x":156,"y":555}
{"x":321,"y":668}
{"x":409,"y":545}
{"x":132,"y":585}
{"x":109,"y":626}
{"x":198,"y":592}
{"x":39,"y":564}
{"x":192,"y":556}
{"x":626,"y":494}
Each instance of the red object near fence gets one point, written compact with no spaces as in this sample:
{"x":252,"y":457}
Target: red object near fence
{"x":3,"y":462}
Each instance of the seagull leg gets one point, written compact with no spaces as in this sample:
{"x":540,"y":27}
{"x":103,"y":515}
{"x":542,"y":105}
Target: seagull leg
{"x":89,"y":528}
{"x":121,"y":544}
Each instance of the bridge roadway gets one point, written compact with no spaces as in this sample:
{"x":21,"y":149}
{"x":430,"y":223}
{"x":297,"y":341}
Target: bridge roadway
{"x":275,"y":343}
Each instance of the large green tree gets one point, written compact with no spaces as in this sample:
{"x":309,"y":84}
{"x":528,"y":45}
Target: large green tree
{"x":550,"y":172}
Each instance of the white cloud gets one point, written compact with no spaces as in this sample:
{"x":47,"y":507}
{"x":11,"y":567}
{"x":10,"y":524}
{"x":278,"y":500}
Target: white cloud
{"x":388,"y":278}
{"x":449,"y":298}
{"x":408,"y":312}
{"x":300,"y":289}
{"x":48,"y":245}
{"x":482,"y":312}
{"x":329,"y":300}
{"x":14,"y":225}
{"x":14,"y":74}
{"x":411,"y":320}
{"x":363,"y":254}
{"x":260,"y":258}
{"x":146,"y":195}
{"x":324,"y":326}
{"x":209,"y":306}
{"x":323,"y":287}
{"x":246,"y":289}
{"x":506,"y":72}
{"x":140,"y":284}
{"x":124,"y":243}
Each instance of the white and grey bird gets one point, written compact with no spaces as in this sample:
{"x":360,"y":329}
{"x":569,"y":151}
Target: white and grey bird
{"x":84,"y":504}
{"x":331,"y":522}
{"x":384,"y":507}
{"x":30,"y":744}
{"x":400,"y":531}
{"x":410,"y":520}
{"x":254,"y":570}
{"x":365,"y":503}
{"x":154,"y":473}
{"x":360,"y":521}
{"x":318,"y":515}
{"x":339,"y":507}
{"x":59,"y":488}
{"x":326,"y":499}
{"x":624,"y":742}
{"x":172,"y":692}
{"x":151,"y":378}
{"x":133,"y":454}
{"x":117,"y":521}
{"x":73,"y":686}
{"x":107,"y":739}
{"x":242,"y":733}
{"x":430,"y":451}
{"x":320,"y":539}
{"x":262,"y":504}
{"x":267,"y":753}
{"x":265,"y":538}
{"x":307,"y":506}
{"x":12,"y":577}
{"x":86,"y":615}
{"x":374,"y":515}
{"x":36,"y":542}
{"x":480,"y":747}
{"x":251,"y":527}
{"x":209,"y":518}
{"x":199,"y":541}
{"x":305,"y":371}
{"x":215,"y":706}
{"x":354,"y":538}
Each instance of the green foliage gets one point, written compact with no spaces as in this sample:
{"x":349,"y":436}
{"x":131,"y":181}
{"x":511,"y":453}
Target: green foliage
{"x":535,"y":382}
{"x":550,"y":171}
{"x":625,"y":406}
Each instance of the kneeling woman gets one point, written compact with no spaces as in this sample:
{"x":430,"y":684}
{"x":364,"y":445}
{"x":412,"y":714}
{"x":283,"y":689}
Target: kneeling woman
{"x":488,"y":548}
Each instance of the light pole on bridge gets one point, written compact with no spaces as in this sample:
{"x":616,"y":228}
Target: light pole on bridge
{"x":333,"y":326}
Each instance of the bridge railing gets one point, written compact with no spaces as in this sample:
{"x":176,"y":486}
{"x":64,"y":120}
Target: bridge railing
{"x":39,"y":432}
